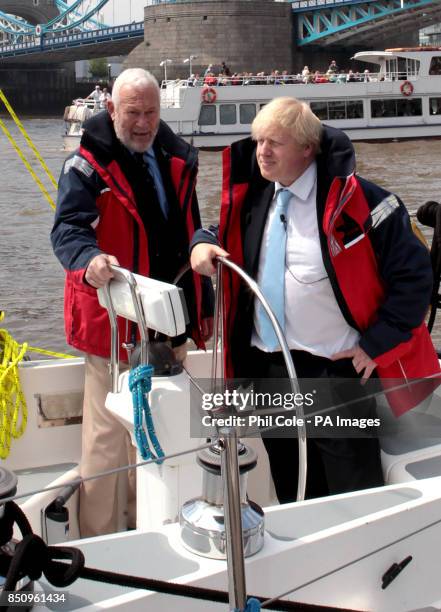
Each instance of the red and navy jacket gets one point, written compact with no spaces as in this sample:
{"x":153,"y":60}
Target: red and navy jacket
{"x":97,"y":213}
{"x":379,"y":271}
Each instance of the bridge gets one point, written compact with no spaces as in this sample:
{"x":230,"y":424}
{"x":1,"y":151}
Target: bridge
{"x":54,"y":31}
{"x":103,"y":42}
{"x":359,"y":22}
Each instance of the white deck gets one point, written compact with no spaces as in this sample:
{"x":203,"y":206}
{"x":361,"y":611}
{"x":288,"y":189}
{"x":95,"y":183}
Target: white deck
{"x":331,"y":552}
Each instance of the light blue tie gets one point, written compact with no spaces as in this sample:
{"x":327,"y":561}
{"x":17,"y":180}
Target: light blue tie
{"x":273,"y":273}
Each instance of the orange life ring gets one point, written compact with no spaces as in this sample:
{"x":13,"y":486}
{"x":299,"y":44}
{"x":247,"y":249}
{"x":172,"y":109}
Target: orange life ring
{"x":406,"y":88}
{"x":209,"y":95}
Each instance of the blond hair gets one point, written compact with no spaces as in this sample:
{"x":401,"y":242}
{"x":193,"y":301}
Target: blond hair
{"x":292,"y":115}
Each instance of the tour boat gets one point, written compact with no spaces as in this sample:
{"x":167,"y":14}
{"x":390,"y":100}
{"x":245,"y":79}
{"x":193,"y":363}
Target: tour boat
{"x":74,"y":116}
{"x":398,"y":97}
{"x":376,"y":549}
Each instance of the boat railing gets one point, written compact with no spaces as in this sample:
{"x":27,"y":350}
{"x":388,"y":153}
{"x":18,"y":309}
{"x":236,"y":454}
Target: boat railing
{"x":85,"y":102}
{"x":219,"y":337}
{"x":171,"y":92}
{"x":80,"y":110}
{"x":409,"y":75}
{"x":170,"y":88}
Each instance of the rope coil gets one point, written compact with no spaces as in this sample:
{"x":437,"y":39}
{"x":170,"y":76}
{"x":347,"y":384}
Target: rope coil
{"x":140,"y":384}
{"x":13,"y":408}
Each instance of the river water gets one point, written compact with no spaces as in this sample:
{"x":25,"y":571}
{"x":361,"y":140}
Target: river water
{"x":31,"y":279}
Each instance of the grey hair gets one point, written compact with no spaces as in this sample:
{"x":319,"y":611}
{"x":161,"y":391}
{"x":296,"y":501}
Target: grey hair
{"x":136,"y":77}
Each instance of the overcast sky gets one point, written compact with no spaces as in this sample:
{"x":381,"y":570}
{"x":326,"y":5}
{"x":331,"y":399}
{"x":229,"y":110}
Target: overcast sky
{"x":123,"y":11}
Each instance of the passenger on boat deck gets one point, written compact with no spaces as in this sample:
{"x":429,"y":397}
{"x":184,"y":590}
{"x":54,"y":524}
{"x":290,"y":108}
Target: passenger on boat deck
{"x":306,"y":75}
{"x":333,"y":67}
{"x":121,"y":201}
{"x":225,"y":70}
{"x":331,"y":76}
{"x":210,"y":80}
{"x":355,"y":284}
{"x":95,"y":95}
{"x":104,"y":97}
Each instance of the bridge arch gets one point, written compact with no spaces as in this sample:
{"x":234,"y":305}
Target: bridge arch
{"x":19,"y":18}
{"x":42,"y":12}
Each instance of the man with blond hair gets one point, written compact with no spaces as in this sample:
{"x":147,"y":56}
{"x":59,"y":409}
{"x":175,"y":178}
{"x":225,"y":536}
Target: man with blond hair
{"x":124,"y":197}
{"x":355,"y":282}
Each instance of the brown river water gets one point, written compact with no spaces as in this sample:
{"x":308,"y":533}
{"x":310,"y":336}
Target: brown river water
{"x":31,"y":279}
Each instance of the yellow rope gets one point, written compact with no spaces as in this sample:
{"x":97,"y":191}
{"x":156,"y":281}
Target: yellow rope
{"x":13,"y":409}
{"x":26,"y":163}
{"x":34,"y":349}
{"x":26,"y":136}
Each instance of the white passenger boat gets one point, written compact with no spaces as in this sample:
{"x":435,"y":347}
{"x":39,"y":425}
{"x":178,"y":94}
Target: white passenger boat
{"x":374,"y":550}
{"x":398,"y":98}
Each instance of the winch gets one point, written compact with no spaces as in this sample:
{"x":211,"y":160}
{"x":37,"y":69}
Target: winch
{"x":202,"y":519}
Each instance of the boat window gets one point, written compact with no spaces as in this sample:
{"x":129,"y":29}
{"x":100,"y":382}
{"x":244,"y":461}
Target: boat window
{"x":354,"y":109}
{"x":391,"y":69}
{"x":207,"y":116}
{"x":320,"y":109}
{"x":435,"y":106}
{"x":435,"y":65}
{"x":227,"y":114}
{"x":338,"y":109}
{"x":400,"y":68}
{"x":396,"y":107}
{"x":412,"y":67}
{"x":247,"y":112}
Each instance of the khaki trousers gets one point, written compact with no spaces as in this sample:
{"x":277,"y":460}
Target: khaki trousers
{"x":106,"y":504}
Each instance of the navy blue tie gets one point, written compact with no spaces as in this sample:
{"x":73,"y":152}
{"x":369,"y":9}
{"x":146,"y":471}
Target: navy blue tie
{"x":147,"y":162}
{"x":273,"y":272}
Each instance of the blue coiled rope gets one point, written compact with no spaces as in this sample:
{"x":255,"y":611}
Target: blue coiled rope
{"x":253,"y":605}
{"x":140,"y":383}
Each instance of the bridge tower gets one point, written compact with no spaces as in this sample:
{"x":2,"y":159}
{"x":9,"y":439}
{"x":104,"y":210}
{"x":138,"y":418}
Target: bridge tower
{"x":251,"y":36}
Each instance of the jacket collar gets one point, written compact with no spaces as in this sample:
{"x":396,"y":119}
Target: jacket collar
{"x":337,"y":155}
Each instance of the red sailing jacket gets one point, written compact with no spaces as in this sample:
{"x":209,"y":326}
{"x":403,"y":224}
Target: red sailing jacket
{"x":373,"y":263}
{"x":97,"y":213}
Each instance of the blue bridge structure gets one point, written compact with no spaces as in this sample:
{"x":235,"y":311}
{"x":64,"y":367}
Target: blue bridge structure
{"x":42,"y":31}
{"x":359,"y":22}
{"x":37,"y":31}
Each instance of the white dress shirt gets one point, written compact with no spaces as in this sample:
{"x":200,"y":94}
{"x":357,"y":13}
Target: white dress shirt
{"x":313,"y":320}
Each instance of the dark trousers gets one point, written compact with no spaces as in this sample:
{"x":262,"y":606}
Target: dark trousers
{"x":335,"y":464}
